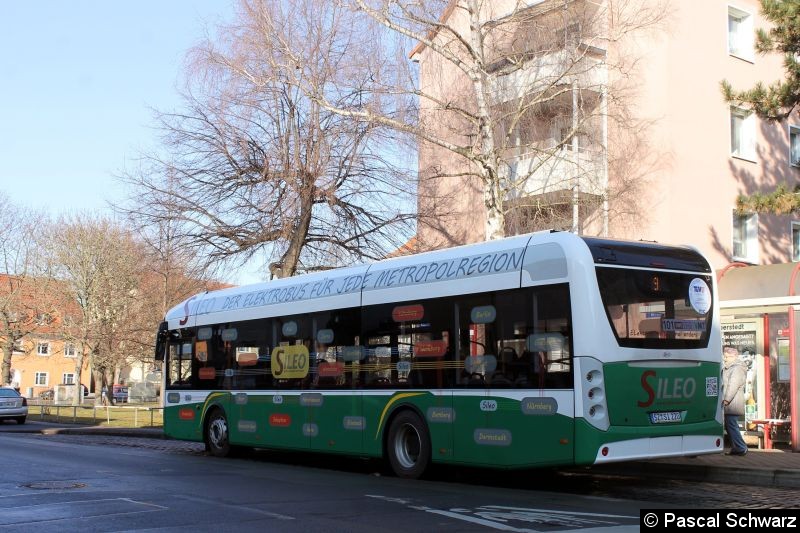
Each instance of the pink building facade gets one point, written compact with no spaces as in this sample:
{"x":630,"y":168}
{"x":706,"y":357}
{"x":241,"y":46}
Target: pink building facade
{"x":694,"y":155}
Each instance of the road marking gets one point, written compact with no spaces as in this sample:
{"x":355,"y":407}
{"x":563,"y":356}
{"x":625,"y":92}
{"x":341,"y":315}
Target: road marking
{"x":238,"y":507}
{"x":502,"y":518}
{"x":56,"y":512}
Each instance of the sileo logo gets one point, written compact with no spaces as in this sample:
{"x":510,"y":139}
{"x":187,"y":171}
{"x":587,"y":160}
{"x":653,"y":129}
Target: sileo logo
{"x":185,"y":318}
{"x":666,"y":388}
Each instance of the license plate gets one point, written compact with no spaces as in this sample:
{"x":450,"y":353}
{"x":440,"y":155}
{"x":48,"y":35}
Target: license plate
{"x":8,"y":404}
{"x":665,"y":418}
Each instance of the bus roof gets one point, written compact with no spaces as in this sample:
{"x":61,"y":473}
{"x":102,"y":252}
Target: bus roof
{"x":486,"y":266}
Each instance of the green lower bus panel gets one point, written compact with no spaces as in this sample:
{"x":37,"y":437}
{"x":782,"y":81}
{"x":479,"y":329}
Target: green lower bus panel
{"x":479,"y":430}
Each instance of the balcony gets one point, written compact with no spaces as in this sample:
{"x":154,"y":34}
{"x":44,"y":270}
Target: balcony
{"x":553,"y":169}
{"x":550,"y":73}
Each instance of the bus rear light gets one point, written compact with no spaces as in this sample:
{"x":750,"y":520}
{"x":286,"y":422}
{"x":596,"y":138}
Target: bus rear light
{"x":597,"y":411}
{"x":595,"y":377}
{"x":604,"y":451}
{"x":719,"y":441}
{"x":596,"y":394}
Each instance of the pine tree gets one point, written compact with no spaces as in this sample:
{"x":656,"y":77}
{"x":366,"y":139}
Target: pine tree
{"x":778,"y":100}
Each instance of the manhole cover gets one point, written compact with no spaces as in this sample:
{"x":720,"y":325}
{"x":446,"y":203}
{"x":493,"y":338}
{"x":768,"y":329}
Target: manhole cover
{"x":53,"y":485}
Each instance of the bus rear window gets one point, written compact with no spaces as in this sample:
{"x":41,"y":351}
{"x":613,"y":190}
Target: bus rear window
{"x":656,"y":309}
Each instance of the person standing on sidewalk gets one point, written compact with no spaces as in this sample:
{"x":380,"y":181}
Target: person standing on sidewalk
{"x":734,"y":375}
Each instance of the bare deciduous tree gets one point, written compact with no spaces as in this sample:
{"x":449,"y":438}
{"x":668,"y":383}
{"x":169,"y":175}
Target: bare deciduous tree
{"x":254,"y":166}
{"x":100,"y":267}
{"x":517,"y":101}
{"x":25,"y":303}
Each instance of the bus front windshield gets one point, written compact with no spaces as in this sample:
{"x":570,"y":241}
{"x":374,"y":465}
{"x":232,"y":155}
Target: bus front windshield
{"x":656,"y":309}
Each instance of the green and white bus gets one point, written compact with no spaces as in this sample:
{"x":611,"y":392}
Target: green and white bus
{"x":537,"y":350}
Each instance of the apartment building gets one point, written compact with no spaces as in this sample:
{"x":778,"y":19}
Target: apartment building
{"x":32,"y":314}
{"x":627,"y":135}
{"x":43,"y":360}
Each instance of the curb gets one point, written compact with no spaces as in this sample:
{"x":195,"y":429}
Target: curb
{"x":113,"y":432}
{"x":148,"y":433}
{"x":762,"y":477}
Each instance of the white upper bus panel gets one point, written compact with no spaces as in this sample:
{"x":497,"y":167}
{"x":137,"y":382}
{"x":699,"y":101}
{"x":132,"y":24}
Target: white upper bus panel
{"x":490,"y":266}
{"x":334,"y":289}
{"x":487,"y":266}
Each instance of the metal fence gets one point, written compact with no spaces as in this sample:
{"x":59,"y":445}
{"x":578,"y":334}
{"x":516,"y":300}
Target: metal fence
{"x":103,"y":415}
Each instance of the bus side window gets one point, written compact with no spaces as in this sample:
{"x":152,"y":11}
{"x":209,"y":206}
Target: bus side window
{"x":550,"y":337}
{"x":295,"y":331}
{"x":180,"y":365}
{"x":476,"y":360}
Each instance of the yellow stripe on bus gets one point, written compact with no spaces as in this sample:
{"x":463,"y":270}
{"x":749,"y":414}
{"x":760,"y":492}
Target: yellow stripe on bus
{"x":389,"y":404}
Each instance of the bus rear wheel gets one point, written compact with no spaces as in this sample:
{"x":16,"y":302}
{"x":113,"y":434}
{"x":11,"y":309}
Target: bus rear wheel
{"x":408,"y":446}
{"x":217,"y":434}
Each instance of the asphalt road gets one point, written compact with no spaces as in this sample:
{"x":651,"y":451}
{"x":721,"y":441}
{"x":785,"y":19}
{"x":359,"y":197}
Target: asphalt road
{"x":92,"y":484}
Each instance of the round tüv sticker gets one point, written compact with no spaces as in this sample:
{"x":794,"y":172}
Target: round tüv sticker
{"x":699,"y":296}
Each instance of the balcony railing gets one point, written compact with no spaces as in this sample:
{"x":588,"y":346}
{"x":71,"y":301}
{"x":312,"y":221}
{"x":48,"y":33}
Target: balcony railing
{"x":558,"y":169}
{"x":548,"y":71}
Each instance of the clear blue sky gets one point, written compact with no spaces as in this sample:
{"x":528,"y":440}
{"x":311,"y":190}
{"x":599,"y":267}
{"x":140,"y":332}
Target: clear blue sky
{"x":77,"y":81}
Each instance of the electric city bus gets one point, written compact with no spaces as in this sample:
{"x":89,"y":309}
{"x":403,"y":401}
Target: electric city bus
{"x":537,"y":350}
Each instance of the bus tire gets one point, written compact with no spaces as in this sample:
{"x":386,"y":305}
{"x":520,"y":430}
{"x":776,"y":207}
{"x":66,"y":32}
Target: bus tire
{"x":217,"y":434}
{"x":408,"y":446}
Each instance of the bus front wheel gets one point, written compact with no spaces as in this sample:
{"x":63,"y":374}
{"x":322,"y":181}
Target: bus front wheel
{"x":217,"y":434}
{"x":409,"y":445}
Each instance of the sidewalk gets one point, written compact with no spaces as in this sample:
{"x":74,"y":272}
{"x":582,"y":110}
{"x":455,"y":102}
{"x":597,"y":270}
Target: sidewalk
{"x":766,"y":468}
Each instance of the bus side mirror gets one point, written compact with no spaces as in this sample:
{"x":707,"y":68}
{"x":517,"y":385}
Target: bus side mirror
{"x":161,"y":341}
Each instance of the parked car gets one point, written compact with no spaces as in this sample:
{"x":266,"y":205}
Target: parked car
{"x":47,"y":394}
{"x":13,"y":405}
{"x":120,"y":393}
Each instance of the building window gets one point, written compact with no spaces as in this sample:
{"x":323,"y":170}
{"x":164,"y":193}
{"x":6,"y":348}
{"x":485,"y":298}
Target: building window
{"x":745,"y":237}
{"x":68,"y":378}
{"x":795,"y":241}
{"x":794,"y":145}
{"x":740,"y":34}
{"x":743,"y":134}
{"x":69,"y":350}
{"x":18,"y":348}
{"x":43,"y":348}
{"x":41,"y":378}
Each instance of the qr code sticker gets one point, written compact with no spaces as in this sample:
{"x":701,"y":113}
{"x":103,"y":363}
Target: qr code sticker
{"x":712,"y":388}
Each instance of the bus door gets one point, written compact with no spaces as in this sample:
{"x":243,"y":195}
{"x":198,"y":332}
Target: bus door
{"x":183,"y":402}
{"x":333,"y":406}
